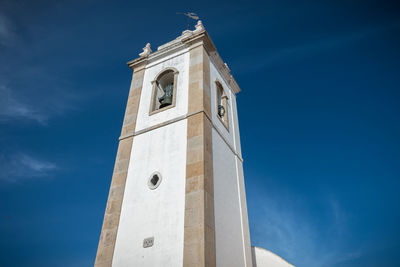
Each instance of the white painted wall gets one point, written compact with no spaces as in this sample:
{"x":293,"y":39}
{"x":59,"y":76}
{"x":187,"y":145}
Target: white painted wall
{"x":265,"y":258}
{"x":160,"y":212}
{"x":229,"y":239}
{"x":235,"y":124}
{"x":178,"y":60}
{"x":245,"y":218}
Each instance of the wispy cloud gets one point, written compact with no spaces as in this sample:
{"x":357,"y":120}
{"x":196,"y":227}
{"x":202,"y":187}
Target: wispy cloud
{"x":21,"y":166}
{"x":37,"y":96}
{"x":13,"y":108}
{"x":32,"y":86}
{"x":270,"y":58}
{"x":7,"y":32}
{"x":285,"y":225}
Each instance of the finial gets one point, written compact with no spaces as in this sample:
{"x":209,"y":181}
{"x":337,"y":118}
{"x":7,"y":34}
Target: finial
{"x":226,"y":66}
{"x":146,"y":51}
{"x":199,"y":27}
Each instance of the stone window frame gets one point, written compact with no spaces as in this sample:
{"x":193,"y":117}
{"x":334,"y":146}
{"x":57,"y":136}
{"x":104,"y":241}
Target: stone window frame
{"x":225,"y":103}
{"x":153,"y":99}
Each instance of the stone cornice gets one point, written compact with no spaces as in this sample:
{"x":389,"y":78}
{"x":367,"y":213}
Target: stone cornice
{"x":189,"y":39}
{"x":138,"y":64}
{"x":162,"y":124}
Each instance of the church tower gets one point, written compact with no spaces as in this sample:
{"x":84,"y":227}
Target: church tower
{"x":177,"y":195}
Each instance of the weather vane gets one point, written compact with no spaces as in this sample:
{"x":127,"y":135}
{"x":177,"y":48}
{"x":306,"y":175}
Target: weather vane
{"x":189,"y":15}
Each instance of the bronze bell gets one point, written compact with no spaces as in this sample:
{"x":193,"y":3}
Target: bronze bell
{"x":166,"y":99}
{"x":221,"y":110}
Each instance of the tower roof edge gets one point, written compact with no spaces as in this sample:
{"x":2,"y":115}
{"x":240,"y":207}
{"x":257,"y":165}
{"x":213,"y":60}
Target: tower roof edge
{"x":199,"y":36}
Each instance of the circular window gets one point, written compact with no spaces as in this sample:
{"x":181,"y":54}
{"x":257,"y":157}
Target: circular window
{"x":154,"y":180}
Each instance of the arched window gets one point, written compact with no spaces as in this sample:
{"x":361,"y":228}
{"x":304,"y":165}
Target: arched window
{"x":164,"y":91}
{"x":222,"y":104}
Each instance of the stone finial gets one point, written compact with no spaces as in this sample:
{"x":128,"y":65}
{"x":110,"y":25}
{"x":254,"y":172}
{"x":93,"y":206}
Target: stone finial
{"x":226,"y":66}
{"x":146,"y":51}
{"x":199,"y":27}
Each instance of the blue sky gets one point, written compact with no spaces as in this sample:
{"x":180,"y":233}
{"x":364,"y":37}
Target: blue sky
{"x":322,"y":77}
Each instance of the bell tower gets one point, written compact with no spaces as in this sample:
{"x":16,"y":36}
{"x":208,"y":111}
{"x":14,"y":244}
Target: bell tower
{"x":177,"y":195}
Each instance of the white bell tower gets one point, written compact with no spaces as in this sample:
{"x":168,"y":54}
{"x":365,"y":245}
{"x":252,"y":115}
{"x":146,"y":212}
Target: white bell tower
{"x":177,"y":195}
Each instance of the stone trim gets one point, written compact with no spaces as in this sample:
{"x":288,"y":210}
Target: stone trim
{"x":199,"y":230}
{"x":105,"y":250}
{"x":172,"y":53}
{"x":165,"y":123}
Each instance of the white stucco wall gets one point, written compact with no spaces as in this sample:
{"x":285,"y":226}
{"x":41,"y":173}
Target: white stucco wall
{"x":155,"y":213}
{"x":265,"y":258}
{"x":229,"y":239}
{"x":178,"y":60}
{"x":235,"y":124}
{"x":243,"y":202}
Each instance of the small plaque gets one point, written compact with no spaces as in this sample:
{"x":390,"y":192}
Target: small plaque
{"x":148,"y":242}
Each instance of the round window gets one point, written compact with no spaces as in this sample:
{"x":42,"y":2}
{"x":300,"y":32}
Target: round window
{"x":154,"y":180}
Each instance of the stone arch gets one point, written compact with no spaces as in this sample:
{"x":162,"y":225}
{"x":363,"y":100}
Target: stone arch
{"x":164,"y":88}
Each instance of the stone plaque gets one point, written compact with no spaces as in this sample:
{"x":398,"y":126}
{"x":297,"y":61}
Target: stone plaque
{"x":148,"y":242}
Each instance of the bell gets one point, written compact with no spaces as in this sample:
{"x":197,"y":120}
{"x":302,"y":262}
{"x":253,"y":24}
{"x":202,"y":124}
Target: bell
{"x":221,"y":110}
{"x":166,"y":99}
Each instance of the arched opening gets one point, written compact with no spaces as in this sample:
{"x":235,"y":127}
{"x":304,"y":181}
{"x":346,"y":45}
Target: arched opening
{"x":164,"y":91}
{"x":222,"y":104}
